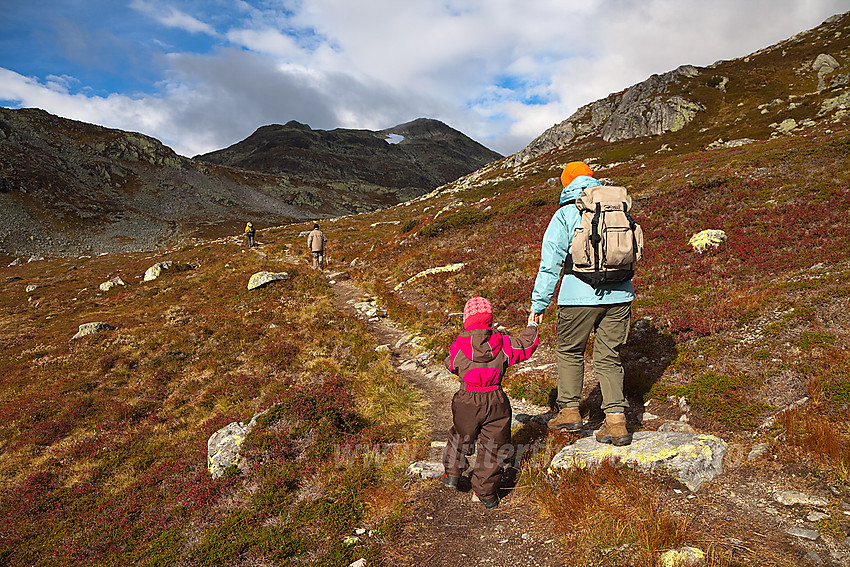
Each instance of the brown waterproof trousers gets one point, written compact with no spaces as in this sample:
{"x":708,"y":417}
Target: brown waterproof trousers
{"x":483,"y":418}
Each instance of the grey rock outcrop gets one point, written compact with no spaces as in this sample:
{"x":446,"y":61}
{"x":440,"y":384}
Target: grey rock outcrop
{"x":824,"y":65}
{"x":692,"y":458}
{"x":262,"y":278}
{"x":92,"y":328}
{"x":642,"y":110}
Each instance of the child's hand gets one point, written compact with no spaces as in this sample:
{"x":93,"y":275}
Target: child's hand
{"x":535,"y":318}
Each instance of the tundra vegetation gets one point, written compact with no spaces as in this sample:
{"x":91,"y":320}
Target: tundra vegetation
{"x":104,"y":438}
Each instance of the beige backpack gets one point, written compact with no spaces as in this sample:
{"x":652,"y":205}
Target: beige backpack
{"x":608,"y":242}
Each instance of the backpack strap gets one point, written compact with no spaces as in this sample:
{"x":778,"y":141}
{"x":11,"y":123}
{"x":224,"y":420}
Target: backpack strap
{"x":632,"y":225}
{"x":595,"y":237}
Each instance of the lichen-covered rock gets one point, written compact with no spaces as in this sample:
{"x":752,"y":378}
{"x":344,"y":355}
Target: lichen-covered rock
{"x":794,"y":498}
{"x":262,"y":278}
{"x":156,"y":270}
{"x":684,"y":557}
{"x":786,"y":126}
{"x":711,"y":237}
{"x":693,"y":458}
{"x":92,"y":328}
{"x":223,"y":446}
{"x":824,"y":65}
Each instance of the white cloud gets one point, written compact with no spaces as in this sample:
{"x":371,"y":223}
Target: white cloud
{"x":501,"y":71}
{"x":172,"y":17}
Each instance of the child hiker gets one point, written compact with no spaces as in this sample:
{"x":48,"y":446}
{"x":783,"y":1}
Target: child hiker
{"x":481,"y":411}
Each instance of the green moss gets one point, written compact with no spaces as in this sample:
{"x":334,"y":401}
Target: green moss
{"x":239,"y":533}
{"x":165,"y":549}
{"x":809,"y":339}
{"x":728,"y":399}
{"x":761,"y":354}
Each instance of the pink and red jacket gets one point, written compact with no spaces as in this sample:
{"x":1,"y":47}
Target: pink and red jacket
{"x":481,"y":356}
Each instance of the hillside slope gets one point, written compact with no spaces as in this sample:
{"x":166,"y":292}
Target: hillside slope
{"x":68,"y":188}
{"x":749,"y":341}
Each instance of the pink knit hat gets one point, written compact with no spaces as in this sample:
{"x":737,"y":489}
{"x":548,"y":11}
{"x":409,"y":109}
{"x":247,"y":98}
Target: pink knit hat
{"x":477,"y":314}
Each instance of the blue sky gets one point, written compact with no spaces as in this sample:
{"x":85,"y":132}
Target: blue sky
{"x":201,"y":75}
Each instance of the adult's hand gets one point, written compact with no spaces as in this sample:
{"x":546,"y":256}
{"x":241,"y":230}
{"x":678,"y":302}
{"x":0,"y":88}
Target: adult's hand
{"x":535,"y":318}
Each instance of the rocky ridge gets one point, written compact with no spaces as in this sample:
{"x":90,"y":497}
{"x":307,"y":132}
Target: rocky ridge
{"x":808,"y":72}
{"x":69,"y":188}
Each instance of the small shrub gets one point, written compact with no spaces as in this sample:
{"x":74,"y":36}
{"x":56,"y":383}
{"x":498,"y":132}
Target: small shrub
{"x":459,"y":219}
{"x":407,"y":226}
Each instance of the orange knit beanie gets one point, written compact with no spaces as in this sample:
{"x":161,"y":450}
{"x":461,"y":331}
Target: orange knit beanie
{"x":573,"y":170}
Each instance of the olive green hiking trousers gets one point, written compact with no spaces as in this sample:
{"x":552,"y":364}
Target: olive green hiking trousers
{"x":610,"y":325}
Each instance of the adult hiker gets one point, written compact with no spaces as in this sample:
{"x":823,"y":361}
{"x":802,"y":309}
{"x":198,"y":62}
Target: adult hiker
{"x":481,"y":412}
{"x":583,"y":308}
{"x":316,"y":244}
{"x":249,"y":232}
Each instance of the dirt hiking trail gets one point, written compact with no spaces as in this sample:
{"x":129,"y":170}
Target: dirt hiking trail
{"x":446,"y":526}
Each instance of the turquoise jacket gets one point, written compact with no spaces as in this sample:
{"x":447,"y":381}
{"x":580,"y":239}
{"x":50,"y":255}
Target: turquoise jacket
{"x":556,"y":246}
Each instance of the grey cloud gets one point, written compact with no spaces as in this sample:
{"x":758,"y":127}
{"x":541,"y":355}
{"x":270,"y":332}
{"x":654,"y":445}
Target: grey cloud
{"x":225,"y":98}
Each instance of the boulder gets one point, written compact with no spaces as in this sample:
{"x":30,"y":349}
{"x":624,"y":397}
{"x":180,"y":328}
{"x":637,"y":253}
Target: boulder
{"x":223,"y":446}
{"x":692,"y":458}
{"x":154,"y":271}
{"x":106,"y":286}
{"x":92,"y":329}
{"x":824,"y":65}
{"x":262,"y":278}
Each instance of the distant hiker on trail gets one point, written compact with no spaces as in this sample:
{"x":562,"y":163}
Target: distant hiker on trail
{"x":583,"y":308}
{"x":249,"y":232}
{"x":481,"y":412}
{"x":316,"y":244}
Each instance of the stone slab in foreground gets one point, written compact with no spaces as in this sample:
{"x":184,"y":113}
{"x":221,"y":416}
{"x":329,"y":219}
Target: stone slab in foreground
{"x":692,"y":458}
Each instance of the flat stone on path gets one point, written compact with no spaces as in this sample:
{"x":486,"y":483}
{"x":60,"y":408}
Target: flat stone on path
{"x":426,"y":469}
{"x":693,"y":458}
{"x":793,"y":497}
{"x":804,"y":533}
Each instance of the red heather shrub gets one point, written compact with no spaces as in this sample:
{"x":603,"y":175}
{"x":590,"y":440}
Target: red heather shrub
{"x":280,"y":354}
{"x":331,"y":401}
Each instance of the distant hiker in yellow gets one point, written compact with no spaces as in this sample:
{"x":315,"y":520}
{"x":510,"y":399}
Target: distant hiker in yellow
{"x":316,"y":244}
{"x":249,"y":232}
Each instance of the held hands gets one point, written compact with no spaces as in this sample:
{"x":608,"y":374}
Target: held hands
{"x":535,"y":318}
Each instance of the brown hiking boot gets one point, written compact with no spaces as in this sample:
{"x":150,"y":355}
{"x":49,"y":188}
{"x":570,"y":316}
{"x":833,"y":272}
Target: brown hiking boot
{"x":614,"y":430}
{"x":567,"y":418}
